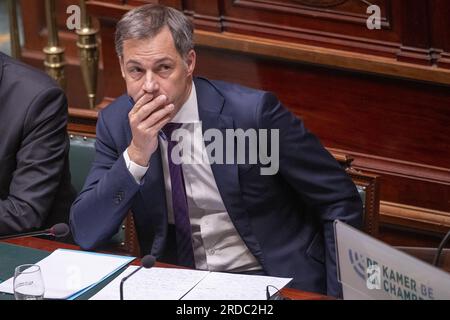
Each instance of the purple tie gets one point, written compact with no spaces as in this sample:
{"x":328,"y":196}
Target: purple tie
{"x":179,"y":201}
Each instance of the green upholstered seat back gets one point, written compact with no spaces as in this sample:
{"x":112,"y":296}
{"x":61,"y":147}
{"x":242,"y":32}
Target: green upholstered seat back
{"x":81,"y":156}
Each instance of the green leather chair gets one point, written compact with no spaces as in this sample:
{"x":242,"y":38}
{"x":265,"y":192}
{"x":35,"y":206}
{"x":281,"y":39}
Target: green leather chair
{"x":81,"y":156}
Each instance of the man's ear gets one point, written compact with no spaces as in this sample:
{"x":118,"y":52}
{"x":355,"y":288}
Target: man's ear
{"x":122,"y":68}
{"x":190,"y":62}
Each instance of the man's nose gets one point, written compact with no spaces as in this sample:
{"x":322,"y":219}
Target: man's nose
{"x":150,"y":84}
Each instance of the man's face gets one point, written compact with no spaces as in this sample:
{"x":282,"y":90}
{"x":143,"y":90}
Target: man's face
{"x":154,"y":66}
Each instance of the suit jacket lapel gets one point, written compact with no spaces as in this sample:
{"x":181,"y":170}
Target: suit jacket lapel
{"x":210,"y":104}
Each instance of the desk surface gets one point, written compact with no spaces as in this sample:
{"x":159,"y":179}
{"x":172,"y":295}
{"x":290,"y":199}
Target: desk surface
{"x":50,"y":246}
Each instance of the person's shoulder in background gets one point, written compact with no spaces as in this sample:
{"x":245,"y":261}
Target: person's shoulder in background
{"x":20,"y":76}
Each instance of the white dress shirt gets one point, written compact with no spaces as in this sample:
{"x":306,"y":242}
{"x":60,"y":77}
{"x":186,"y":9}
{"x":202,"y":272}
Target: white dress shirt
{"x":217,"y":244}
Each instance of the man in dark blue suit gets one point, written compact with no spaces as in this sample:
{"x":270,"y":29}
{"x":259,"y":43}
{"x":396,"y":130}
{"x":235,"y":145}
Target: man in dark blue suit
{"x":229,"y":215}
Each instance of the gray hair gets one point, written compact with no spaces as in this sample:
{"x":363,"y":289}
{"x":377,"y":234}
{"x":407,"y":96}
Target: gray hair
{"x":146,"y":22}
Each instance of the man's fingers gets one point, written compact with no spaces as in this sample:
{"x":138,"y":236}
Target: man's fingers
{"x":156,"y":116}
{"x":144,"y":111}
{"x":141,"y":101}
{"x":161,"y":123}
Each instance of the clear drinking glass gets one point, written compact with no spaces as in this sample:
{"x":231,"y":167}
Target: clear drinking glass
{"x":28,"y":282}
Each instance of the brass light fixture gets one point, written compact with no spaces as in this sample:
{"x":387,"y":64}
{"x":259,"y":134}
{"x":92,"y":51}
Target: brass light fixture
{"x":88,"y":52}
{"x":54,"y":54}
{"x":14,"y":29}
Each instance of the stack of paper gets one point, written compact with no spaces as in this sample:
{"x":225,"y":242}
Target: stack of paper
{"x":181,"y":284}
{"x":69,"y":273}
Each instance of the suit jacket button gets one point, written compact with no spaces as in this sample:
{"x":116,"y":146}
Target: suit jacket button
{"x":118,"y":197}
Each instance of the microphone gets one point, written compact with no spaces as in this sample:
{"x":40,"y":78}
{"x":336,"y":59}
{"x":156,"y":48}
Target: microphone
{"x":58,"y":230}
{"x":147,"y":262}
{"x":440,"y":248}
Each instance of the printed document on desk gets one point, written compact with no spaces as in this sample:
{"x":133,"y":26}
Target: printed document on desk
{"x":182,"y":284}
{"x":233,"y":286}
{"x":69,"y":273}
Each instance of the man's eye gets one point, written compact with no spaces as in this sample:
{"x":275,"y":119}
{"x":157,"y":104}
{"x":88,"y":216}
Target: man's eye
{"x":135,"y":70}
{"x":164,"y":67}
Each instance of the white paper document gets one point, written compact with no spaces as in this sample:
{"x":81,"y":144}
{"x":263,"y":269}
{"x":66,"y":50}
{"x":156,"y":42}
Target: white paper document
{"x":229,"y":286}
{"x":181,"y":284}
{"x":69,"y":273}
{"x":152,"y":284}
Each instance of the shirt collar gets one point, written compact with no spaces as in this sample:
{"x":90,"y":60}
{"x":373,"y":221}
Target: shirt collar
{"x":189,"y":111}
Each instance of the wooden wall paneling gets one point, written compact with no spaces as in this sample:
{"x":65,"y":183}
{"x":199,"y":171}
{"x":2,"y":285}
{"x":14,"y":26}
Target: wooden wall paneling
{"x":416,"y":42}
{"x":82,"y":122}
{"x":440,"y":31}
{"x":206,"y":14}
{"x":114,"y":83}
{"x":33,"y":13}
{"x":120,"y":4}
{"x":397,"y":235}
{"x":414,"y":218}
{"x":334,"y":59}
{"x":406,"y":182}
{"x":188,"y":5}
{"x":341,"y":27}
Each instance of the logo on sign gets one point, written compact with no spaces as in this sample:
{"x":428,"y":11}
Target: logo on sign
{"x":359,"y":263}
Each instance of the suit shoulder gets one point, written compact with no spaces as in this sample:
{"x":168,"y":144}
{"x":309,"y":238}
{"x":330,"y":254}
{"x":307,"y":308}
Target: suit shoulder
{"x":234,"y":90}
{"x":241,"y":99}
{"x":25,"y":78}
{"x":118,"y":109}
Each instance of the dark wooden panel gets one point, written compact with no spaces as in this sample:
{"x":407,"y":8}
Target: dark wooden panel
{"x":416,"y":46}
{"x":440,"y":31}
{"x":207,"y":15}
{"x":412,"y":31}
{"x":408,"y":183}
{"x":33,"y":24}
{"x":114,"y":84}
{"x":342,"y":26}
{"x":308,"y":13}
{"x":397,"y":236}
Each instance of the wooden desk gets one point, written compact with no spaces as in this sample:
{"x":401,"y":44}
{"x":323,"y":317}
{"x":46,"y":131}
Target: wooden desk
{"x":48,"y":245}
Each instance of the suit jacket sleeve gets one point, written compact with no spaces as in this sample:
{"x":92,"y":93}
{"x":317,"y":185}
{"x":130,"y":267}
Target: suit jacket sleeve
{"x":39,"y":164}
{"x":107,"y":194}
{"x":316,"y":176}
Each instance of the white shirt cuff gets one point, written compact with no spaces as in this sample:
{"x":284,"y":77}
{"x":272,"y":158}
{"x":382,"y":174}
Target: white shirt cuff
{"x":136,"y":170}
